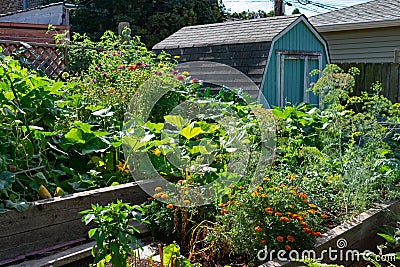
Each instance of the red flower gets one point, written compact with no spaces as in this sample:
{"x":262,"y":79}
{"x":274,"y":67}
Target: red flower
{"x":279,"y":238}
{"x":132,"y":67}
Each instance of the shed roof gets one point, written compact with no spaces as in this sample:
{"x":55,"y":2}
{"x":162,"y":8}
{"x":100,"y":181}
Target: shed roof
{"x":365,"y":15}
{"x":233,"y":32}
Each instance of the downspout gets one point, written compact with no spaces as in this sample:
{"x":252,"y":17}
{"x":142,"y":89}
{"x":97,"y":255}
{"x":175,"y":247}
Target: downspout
{"x":24,"y":4}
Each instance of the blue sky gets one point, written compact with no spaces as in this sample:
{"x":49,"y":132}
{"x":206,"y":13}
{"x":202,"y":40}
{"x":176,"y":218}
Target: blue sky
{"x":308,"y":10}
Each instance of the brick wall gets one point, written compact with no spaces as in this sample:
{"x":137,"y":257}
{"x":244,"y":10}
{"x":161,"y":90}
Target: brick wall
{"x":15,"y":5}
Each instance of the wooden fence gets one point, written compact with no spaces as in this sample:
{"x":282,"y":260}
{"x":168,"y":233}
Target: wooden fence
{"x":386,"y":73}
{"x":43,"y":57}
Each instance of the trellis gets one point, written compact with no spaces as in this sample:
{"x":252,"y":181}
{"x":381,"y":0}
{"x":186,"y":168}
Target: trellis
{"x":48,"y":58}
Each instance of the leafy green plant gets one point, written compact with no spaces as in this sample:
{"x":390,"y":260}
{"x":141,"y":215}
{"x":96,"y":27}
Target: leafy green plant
{"x":170,"y":256}
{"x":116,"y":237}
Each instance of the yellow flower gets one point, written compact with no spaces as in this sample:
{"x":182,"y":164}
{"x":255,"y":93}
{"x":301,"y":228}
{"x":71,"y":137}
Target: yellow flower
{"x":266,"y":179}
{"x":312,"y":206}
{"x":156,"y":152}
{"x":264,"y":195}
{"x":257,"y":229}
{"x":177,"y":57}
{"x":254,"y":194}
{"x":185,"y":73}
{"x":187,"y":202}
{"x":123,"y":167}
{"x":291,"y":177}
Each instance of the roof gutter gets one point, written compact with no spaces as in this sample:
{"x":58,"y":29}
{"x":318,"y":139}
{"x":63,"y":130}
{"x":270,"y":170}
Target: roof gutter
{"x":357,"y":26}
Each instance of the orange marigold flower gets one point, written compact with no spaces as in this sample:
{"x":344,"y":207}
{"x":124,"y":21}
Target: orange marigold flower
{"x":293,"y":191}
{"x":311,"y":211}
{"x":284,"y":219}
{"x":263,"y":242}
{"x":150,"y":198}
{"x":240,"y":187}
{"x":291,"y":177}
{"x":306,"y":230}
{"x":268,"y":209}
{"x":291,"y":206}
{"x":287,"y":247}
{"x":255,"y":194}
{"x":305,"y":201}
{"x":264,"y":195}
{"x":318,"y":234}
{"x":324,"y":216}
{"x":259,"y":187}
{"x":278,"y":214}
{"x":164,"y":196}
{"x":266,"y":178}
{"x":282,"y":185}
{"x":158,"y":188}
{"x":157,"y":195}
{"x":290,"y":238}
{"x":224,"y":211}
{"x":313,"y":206}
{"x":279,"y":238}
{"x":186,"y":201}
{"x":170,"y":206}
{"x":180,"y":182}
{"x":289,"y":213}
{"x":258,"y":229}
{"x":300,"y":218}
{"x":221,"y":205}
{"x":304,"y":224}
{"x":295,"y":216}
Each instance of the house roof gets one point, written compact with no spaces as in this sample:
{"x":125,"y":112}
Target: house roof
{"x":233,"y":32}
{"x":55,"y":14}
{"x":366,"y":15}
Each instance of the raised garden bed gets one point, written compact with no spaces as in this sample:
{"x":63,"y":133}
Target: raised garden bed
{"x":359,"y":234}
{"x":56,"y":222}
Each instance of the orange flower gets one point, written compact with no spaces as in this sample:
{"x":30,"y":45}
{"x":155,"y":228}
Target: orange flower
{"x":268,"y":209}
{"x":240,"y":187}
{"x":264,"y":195}
{"x":291,"y":206}
{"x":187,"y":202}
{"x":305,"y":201}
{"x":263,"y":242}
{"x":311,"y":211}
{"x":278,"y":214}
{"x":324,"y":216}
{"x":221,"y":205}
{"x":318,"y":234}
{"x":291,"y":177}
{"x":259,"y":188}
{"x":254,"y":194}
{"x":300,"y":218}
{"x":150,"y":198}
{"x":287,"y":247}
{"x":279,"y":238}
{"x":304,"y":224}
{"x":164,"y":196}
{"x":170,"y":206}
{"x":224,"y":211}
{"x":266,"y":178}
{"x":157,"y":195}
{"x":302,"y":195}
{"x":158,"y":188}
{"x":134,"y":67}
{"x":293,"y":191}
{"x":306,"y":230}
{"x":180,"y":182}
{"x":257,"y":229}
{"x":295,"y":216}
{"x":313,"y":206}
{"x":282,"y":185}
{"x":284,"y":219}
{"x":290,"y":238}
{"x":288,"y":213}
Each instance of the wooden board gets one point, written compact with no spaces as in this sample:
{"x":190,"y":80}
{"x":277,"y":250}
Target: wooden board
{"x":51,"y":222}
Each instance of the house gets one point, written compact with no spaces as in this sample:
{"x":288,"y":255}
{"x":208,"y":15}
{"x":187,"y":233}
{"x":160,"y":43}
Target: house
{"x":276,"y":53}
{"x":7,"y":6}
{"x":363,"y":33}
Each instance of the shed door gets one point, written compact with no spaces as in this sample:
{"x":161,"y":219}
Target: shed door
{"x":294,"y":78}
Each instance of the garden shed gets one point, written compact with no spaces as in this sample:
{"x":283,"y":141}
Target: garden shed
{"x":276,"y":53}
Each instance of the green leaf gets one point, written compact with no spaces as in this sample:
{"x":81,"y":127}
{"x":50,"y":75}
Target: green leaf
{"x":154,"y":127}
{"x":390,"y":239}
{"x":105,"y":112}
{"x":96,"y":145}
{"x":85,"y":127}
{"x":75,"y":136}
{"x":132,"y":142}
{"x":176,"y":120}
{"x":18,"y":205}
{"x":189,"y":132}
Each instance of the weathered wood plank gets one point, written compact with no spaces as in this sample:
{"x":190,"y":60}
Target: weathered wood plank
{"x":394,"y":82}
{"x":56,"y":220}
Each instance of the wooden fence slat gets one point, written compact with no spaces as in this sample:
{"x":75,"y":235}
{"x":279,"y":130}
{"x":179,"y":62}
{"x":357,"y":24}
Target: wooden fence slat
{"x":394,"y":82}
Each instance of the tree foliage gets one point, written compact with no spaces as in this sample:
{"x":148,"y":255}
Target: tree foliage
{"x":153,"y":20}
{"x":250,"y":15}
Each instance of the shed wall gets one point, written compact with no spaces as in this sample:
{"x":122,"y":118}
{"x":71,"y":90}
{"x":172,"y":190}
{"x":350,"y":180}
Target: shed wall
{"x":363,"y":46}
{"x":300,"y":38}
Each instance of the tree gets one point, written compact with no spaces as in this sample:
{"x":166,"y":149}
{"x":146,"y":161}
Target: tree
{"x":250,"y":14}
{"x":153,"y":20}
{"x":296,"y":11}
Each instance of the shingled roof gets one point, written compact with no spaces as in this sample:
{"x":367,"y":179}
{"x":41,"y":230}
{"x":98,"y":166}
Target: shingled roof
{"x":365,"y":15}
{"x":233,"y":32}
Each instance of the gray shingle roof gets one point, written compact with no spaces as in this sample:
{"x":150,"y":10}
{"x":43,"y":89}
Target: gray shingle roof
{"x":234,"y":32}
{"x":372,"y":11}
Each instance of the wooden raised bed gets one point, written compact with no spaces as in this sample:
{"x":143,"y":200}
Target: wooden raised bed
{"x":360,"y":234}
{"x":53,"y":223}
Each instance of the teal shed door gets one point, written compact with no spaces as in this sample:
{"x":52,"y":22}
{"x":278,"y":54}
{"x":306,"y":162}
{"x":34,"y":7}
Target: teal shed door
{"x":294,"y":77}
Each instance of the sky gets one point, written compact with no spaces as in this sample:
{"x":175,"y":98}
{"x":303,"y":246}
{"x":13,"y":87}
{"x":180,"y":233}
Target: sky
{"x":308,"y":9}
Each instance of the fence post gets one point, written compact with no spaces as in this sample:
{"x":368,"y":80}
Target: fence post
{"x":124,"y":31}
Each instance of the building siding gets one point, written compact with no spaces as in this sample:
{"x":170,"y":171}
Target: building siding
{"x":299,"y":38}
{"x":363,"y":46}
